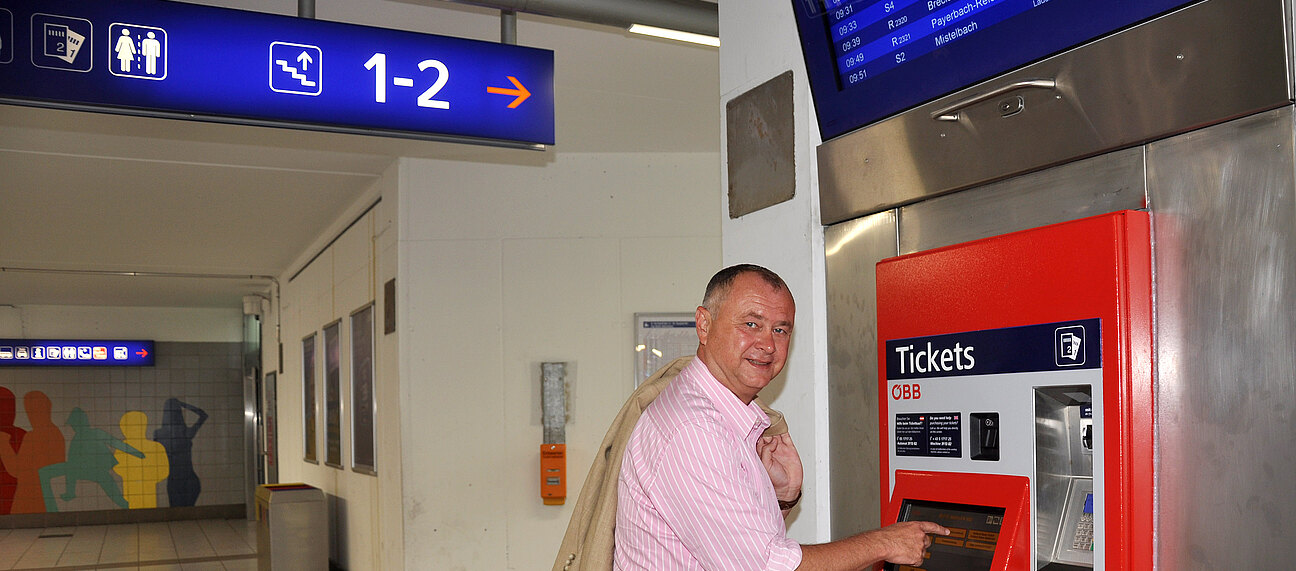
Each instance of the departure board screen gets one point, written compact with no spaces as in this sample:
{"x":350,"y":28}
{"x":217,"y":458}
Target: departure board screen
{"x":870,"y":59}
{"x":973,"y":538}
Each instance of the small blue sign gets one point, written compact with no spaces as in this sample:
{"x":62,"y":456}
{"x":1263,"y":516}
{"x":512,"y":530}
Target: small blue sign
{"x":1069,"y":346}
{"x":61,"y":42}
{"x":75,"y":353}
{"x":180,"y":60}
{"x":296,"y":68}
{"x":139,"y":51}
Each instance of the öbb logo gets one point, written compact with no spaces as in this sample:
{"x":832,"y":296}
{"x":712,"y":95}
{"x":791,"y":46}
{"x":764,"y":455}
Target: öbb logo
{"x":905,"y":391}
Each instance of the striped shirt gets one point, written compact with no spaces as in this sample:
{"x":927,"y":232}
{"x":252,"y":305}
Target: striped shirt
{"x":693,"y":493}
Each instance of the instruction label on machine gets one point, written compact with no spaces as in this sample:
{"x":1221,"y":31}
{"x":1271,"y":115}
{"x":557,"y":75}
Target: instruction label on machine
{"x":929,"y":434}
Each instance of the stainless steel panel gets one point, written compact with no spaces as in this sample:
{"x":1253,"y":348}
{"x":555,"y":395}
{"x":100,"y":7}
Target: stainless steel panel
{"x":852,"y":250}
{"x":761,"y":146}
{"x":1106,"y":183}
{"x":1224,"y":227}
{"x":1053,"y":470}
{"x":1166,"y":76}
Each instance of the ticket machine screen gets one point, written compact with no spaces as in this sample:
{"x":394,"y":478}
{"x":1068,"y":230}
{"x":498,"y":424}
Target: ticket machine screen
{"x":970,"y":546}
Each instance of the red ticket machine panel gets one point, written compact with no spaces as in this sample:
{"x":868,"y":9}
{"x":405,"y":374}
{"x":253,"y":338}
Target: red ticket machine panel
{"x":986,"y":514}
{"x":1024,"y":358}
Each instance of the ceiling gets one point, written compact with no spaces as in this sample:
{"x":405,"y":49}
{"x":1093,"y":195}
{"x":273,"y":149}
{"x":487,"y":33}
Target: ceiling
{"x":207,"y":209}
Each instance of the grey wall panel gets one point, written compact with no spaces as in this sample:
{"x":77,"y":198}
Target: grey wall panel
{"x":1105,"y":183}
{"x":1224,"y":224}
{"x":852,"y":249}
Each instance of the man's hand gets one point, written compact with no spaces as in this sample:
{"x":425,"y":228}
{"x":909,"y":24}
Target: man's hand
{"x":905,"y":542}
{"x":783,"y":464}
{"x":901,"y":543}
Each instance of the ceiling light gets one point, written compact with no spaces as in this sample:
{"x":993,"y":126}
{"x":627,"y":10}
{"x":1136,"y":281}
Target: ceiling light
{"x":675,"y":35}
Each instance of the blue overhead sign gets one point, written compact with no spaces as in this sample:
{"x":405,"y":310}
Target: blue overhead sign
{"x":171,"y":59}
{"x":75,"y":353}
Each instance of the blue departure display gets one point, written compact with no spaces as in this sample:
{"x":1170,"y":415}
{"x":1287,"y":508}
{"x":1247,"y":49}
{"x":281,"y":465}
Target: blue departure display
{"x":870,"y":59}
{"x":75,"y":353}
{"x":179,"y":60}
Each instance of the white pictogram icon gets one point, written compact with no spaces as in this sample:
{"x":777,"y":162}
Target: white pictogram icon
{"x":62,"y":43}
{"x":296,"y":68}
{"x":1068,"y":346}
{"x":139,"y":51}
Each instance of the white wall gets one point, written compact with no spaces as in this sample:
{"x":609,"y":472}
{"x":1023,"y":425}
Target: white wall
{"x":758,"y":42}
{"x":346,"y":275}
{"x":507,"y":259}
{"x":89,"y":322}
{"x":503,"y":267}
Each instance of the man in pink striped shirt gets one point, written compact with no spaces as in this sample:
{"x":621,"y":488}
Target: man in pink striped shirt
{"x":700,"y":488}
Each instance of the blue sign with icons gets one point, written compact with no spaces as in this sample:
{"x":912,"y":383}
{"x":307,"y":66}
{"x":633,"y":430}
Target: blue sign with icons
{"x":75,"y":353}
{"x":171,"y":59}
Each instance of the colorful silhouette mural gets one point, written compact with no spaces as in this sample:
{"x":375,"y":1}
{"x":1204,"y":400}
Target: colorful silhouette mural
{"x":41,"y":447}
{"x":140,"y":476}
{"x":183,"y":485}
{"x":87,"y":459}
{"x":13,"y":440}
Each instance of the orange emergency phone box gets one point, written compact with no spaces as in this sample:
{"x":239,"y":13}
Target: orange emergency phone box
{"x":553,"y":474}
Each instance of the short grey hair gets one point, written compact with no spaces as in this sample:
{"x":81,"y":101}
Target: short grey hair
{"x":718,"y":288}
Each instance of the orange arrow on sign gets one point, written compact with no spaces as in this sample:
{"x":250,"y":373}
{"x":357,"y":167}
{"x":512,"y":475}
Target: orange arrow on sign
{"x":142,"y":352}
{"x":521,"y":92}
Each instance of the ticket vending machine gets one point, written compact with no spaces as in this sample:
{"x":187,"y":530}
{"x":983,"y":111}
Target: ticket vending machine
{"x":1059,"y":260}
{"x":1015,"y":396}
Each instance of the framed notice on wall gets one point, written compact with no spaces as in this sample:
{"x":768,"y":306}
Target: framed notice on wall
{"x":333,"y":394}
{"x":270,"y":427}
{"x":309,"y":405}
{"x":362,"y":390}
{"x":661,"y":338}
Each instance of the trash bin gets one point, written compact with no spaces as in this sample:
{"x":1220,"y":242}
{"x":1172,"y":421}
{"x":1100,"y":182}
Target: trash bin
{"x":292,"y":529}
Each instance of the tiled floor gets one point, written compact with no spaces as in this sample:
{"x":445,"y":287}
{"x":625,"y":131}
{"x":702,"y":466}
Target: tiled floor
{"x":196,"y":545}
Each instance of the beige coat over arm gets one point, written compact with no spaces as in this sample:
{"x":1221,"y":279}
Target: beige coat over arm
{"x":588,"y":544}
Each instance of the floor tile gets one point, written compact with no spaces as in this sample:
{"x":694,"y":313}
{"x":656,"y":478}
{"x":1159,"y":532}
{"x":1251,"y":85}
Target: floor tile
{"x":15,"y":544}
{"x":240,"y":564}
{"x":87,"y":539}
{"x":189,"y":540}
{"x":204,"y":545}
{"x":224,"y":539}
{"x":43,"y":552}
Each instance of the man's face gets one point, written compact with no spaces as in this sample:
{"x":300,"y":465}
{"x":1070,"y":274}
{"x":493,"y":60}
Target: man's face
{"x":744,"y":343}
